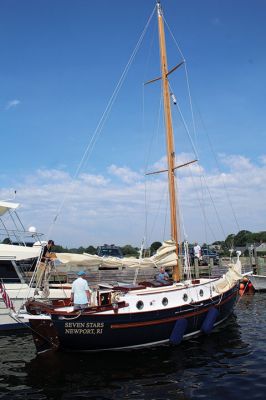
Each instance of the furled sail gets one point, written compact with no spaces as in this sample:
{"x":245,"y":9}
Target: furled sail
{"x":165,"y":256}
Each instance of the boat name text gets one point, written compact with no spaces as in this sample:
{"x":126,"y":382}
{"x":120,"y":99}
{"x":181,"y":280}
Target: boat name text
{"x":84,"y":328}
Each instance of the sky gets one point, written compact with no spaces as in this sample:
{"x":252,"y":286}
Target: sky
{"x":76,"y":149}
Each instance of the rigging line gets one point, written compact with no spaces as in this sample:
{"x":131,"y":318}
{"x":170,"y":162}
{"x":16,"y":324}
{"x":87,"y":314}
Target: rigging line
{"x":180,"y":213}
{"x":145,"y":180}
{"x":201,"y":205}
{"x":143,"y":130}
{"x":190,"y":102}
{"x":174,"y":39}
{"x":186,"y":127}
{"x":187,"y":79}
{"x":155,"y":133}
{"x":177,"y":208}
{"x":193,"y":122}
{"x":159,"y":208}
{"x":217,"y":164}
{"x":115,"y":93}
{"x":214,"y":206}
{"x":106,"y":112}
{"x":197,"y":156}
{"x":165,"y":217}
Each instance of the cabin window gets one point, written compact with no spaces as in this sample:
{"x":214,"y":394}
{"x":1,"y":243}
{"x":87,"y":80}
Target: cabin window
{"x":164,"y":301}
{"x":140,"y":305}
{"x":201,"y":292}
{"x":185,"y":297}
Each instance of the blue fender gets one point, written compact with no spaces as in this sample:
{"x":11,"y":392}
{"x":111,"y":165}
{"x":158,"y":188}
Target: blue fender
{"x":209,"y":320}
{"x":178,"y":331}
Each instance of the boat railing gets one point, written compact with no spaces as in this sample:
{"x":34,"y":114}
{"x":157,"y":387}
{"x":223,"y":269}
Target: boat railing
{"x":19,"y":237}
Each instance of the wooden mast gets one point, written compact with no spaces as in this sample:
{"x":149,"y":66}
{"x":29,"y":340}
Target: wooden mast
{"x":169,"y":136}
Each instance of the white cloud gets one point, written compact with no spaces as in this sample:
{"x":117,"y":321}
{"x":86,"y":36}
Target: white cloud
{"x":125,"y":174}
{"x":53,"y":174}
{"x":94,"y":180}
{"x":94,"y":209}
{"x":12,"y":104}
{"x":236,"y":162}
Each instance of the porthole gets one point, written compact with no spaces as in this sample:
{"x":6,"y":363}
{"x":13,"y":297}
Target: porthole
{"x":164,"y":301}
{"x":140,"y":305}
{"x":185,"y":297}
{"x":201,"y":293}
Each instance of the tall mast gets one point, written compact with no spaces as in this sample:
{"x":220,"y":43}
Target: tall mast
{"x":169,"y":135}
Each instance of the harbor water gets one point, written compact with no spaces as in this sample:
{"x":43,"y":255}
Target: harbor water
{"x":228,"y":364}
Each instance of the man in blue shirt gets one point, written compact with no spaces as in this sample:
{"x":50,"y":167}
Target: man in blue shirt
{"x":80,"y":293}
{"x":162,"y":276}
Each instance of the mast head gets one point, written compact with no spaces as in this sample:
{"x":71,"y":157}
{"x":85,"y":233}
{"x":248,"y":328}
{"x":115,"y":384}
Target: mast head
{"x":159,"y":7}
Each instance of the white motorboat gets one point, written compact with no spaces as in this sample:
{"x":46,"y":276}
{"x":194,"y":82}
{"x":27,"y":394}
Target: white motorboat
{"x":18,"y":258}
{"x":258,"y":281}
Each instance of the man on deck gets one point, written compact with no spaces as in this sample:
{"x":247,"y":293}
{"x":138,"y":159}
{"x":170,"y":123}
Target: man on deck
{"x":80,"y":293}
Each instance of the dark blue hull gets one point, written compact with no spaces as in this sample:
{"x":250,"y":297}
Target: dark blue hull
{"x":115,"y":331}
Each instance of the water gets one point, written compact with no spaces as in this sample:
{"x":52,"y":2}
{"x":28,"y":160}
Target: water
{"x":228,"y":364}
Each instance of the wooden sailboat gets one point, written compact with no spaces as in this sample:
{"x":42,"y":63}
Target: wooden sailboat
{"x":149,"y":313}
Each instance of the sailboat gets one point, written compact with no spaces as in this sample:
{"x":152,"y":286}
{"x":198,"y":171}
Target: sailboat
{"x":147,"y":313}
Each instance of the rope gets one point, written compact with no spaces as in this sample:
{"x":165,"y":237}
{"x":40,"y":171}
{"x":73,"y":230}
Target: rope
{"x":218,"y":167}
{"x":202,"y":176}
{"x":154,"y":136}
{"x":71,"y":318}
{"x":12,"y":315}
{"x":103,"y":118}
{"x":242,"y":293}
{"x":194,"y":129}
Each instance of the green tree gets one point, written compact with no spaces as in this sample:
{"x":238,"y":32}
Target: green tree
{"x":155,"y":246}
{"x":130,"y":251}
{"x":242,"y":238}
{"x":229,"y":242}
{"x":91,"y":250}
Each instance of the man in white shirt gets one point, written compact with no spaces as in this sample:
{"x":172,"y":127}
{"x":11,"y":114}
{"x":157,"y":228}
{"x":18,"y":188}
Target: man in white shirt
{"x":80,"y":293}
{"x":197,"y":251}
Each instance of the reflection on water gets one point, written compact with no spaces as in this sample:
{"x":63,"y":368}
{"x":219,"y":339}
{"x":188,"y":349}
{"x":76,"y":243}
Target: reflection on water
{"x":230,"y":362}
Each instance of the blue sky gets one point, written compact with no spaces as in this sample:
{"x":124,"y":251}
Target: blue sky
{"x":61,"y":61}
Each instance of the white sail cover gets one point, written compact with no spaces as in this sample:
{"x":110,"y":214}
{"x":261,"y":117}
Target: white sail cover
{"x":230,"y":278}
{"x":16,"y":252}
{"x":165,"y":256}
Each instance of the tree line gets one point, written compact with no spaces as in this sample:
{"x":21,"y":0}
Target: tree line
{"x":242,"y":238}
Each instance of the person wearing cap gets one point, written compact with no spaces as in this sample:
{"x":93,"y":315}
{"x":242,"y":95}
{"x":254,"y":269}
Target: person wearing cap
{"x":80,"y":292}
